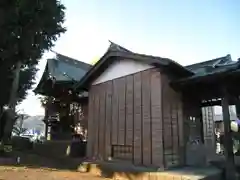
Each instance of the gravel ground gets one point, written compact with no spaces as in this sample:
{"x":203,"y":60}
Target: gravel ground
{"x":33,"y":167}
{"x":23,"y":173}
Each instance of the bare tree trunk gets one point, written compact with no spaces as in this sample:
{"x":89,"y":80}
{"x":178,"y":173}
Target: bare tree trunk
{"x":21,"y":124}
{"x":1,"y":123}
{"x":10,"y":112}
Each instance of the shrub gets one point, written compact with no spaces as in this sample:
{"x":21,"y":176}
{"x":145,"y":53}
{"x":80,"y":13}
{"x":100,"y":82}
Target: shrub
{"x":21,"y":143}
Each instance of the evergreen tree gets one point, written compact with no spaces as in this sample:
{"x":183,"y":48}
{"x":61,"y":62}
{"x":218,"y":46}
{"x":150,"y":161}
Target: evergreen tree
{"x":28,"y":28}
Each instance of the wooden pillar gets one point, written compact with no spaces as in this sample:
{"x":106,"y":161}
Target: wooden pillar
{"x":237,"y":105}
{"x":228,"y":143}
{"x":46,"y":122}
{"x":46,"y":129}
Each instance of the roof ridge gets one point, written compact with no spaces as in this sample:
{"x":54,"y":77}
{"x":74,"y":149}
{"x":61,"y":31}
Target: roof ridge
{"x":70,"y":58}
{"x":113,"y":47}
{"x":72,"y":61}
{"x":228,"y":56}
{"x":159,"y":57}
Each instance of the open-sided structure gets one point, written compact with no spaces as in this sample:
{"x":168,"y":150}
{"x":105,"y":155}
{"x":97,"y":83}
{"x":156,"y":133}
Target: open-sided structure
{"x":60,"y":75}
{"x":147,"y":110}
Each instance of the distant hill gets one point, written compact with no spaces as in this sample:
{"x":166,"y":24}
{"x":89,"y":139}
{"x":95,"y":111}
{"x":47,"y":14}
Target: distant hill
{"x":34,"y":122}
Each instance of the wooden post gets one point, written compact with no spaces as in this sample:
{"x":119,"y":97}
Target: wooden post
{"x":228,"y":143}
{"x":46,"y":121}
{"x":237,"y":105}
{"x":46,"y":129}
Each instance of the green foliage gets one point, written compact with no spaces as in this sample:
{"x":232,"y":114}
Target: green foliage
{"x":28,"y":28}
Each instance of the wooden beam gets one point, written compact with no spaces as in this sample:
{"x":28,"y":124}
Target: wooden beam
{"x":215,"y":103}
{"x":228,"y":143}
{"x":211,"y":103}
{"x":200,"y":93}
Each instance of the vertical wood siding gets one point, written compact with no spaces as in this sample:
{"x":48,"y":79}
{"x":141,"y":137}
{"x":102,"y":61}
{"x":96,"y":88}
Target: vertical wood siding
{"x":129,"y":110}
{"x":90,"y":144}
{"x":137,"y":143}
{"x":121,"y":111}
{"x":115,"y":113}
{"x":156,"y":118}
{"x":96,"y":121}
{"x":181,"y":132}
{"x":108,"y":124}
{"x":140,"y":113}
{"x":172,"y":125}
{"x":102,"y":110}
{"x":146,"y":119}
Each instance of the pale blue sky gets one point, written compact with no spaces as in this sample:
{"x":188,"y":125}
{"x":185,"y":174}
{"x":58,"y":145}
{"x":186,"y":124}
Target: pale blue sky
{"x":187,"y":31}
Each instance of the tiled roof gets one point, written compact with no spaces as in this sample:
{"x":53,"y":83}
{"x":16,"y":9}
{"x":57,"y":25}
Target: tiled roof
{"x":213,"y":67}
{"x":196,"y":66}
{"x":64,"y":68}
{"x":116,"y":50}
{"x":202,"y":66}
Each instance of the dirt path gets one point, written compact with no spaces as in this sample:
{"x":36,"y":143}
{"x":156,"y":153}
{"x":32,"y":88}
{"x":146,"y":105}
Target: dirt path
{"x":34,"y":167}
{"x":21,"y":173}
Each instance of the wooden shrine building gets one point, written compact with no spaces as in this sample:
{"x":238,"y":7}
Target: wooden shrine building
{"x":148,"y":110}
{"x":63,"y":109}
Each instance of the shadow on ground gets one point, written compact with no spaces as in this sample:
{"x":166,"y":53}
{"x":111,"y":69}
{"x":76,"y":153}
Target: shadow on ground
{"x":29,"y":160}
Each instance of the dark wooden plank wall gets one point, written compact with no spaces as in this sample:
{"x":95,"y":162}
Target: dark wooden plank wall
{"x":102,"y":111}
{"x":137,"y":113}
{"x":108,"y":124}
{"x":128,"y":111}
{"x":172,"y":125}
{"x":156,"y":118}
{"x":114,"y":113}
{"x":90,"y":147}
{"x":96,"y":120}
{"x":146,"y":118}
{"x":121,"y":111}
